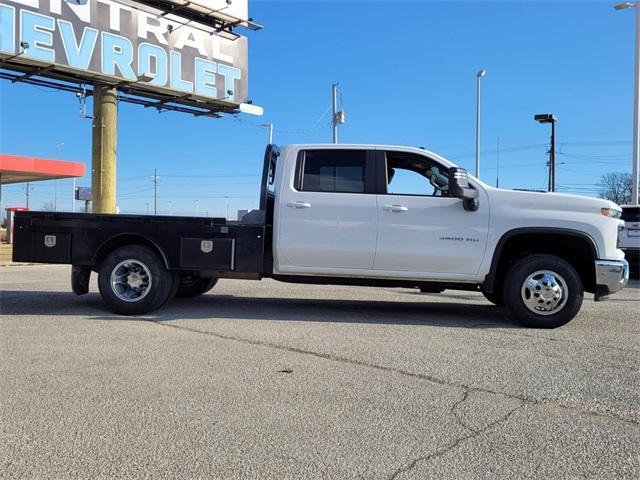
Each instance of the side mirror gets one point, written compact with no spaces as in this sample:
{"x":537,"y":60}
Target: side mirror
{"x":459,"y":188}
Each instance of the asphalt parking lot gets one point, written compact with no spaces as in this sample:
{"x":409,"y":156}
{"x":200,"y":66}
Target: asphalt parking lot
{"x":269,"y":380}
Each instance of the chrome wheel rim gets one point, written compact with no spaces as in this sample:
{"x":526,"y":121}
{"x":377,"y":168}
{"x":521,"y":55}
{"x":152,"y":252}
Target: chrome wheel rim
{"x":545,"y":292}
{"x":131,"y":280}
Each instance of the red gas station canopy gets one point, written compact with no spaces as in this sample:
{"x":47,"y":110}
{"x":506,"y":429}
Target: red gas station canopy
{"x":15,"y":169}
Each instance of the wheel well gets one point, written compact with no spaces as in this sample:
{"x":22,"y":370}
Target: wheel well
{"x":575,"y":248}
{"x":123,"y":240}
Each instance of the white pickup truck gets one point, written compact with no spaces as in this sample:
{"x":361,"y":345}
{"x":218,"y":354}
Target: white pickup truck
{"x":368,"y":215}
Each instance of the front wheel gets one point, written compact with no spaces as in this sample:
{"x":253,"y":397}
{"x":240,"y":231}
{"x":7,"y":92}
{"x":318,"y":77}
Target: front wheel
{"x":134,"y":281}
{"x":543,"y":291}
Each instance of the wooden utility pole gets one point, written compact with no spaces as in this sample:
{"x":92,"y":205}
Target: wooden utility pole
{"x":103,"y":161}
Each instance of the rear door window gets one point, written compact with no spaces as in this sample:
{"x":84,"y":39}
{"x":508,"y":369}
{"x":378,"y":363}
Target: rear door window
{"x":332,"y":171}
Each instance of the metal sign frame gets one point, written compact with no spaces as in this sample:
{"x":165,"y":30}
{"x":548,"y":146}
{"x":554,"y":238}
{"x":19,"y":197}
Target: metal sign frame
{"x":221,"y":21}
{"x":139,"y":89}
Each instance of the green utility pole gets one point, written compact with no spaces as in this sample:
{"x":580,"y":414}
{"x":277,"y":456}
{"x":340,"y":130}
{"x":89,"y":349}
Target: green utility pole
{"x":103,"y":162}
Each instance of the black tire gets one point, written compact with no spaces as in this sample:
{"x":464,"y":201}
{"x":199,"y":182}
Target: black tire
{"x":517,"y":298}
{"x":495,"y":297}
{"x":159,"y":280}
{"x":191,"y":285}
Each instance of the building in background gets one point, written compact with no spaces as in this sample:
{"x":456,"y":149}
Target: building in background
{"x":17,"y":169}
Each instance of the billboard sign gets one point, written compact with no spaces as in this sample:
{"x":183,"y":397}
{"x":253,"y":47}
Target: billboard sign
{"x":124,"y":43}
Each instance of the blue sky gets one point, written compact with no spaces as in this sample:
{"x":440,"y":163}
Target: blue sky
{"x":407,"y":72}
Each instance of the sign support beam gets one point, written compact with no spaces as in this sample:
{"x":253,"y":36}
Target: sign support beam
{"x":103,"y":152}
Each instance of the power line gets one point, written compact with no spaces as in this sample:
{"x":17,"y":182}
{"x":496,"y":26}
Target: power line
{"x":135,"y":192}
{"x":209,"y":184}
{"x":585,"y":155}
{"x":502,"y":151}
{"x":212,"y":176}
{"x":576,"y":172}
{"x":128,"y":179}
{"x":596,"y":144}
{"x":316,"y":126}
{"x":199,"y":196}
{"x":546,"y":180}
{"x":597,"y":162}
{"x":516,"y":165}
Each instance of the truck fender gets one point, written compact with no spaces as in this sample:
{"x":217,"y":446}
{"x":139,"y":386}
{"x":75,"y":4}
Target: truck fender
{"x":490,"y":279}
{"x":123,"y":239}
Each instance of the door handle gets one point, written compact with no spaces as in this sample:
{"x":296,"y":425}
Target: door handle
{"x":299,"y":205}
{"x":395,"y":208}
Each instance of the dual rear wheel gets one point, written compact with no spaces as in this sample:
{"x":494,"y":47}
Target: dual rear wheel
{"x":133,"y":281}
{"x":192,"y":285}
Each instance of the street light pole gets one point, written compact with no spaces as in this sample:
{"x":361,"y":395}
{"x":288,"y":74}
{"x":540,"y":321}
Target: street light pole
{"x":270,"y":127}
{"x":334,"y":103}
{"x":55,"y":182}
{"x":498,"y":165}
{"x":155,"y":179}
{"x":635,"y":175}
{"x":635,"y":166}
{"x":552,"y":119}
{"x":479,"y":75}
{"x":552,"y":156}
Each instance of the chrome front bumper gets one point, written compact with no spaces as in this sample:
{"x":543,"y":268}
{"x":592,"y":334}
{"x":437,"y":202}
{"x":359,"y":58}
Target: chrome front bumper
{"x":611,"y":276}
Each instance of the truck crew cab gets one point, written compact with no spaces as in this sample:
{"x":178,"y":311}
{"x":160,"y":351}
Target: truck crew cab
{"x":353,"y":215}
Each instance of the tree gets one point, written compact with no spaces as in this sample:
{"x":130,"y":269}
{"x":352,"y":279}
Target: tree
{"x":615,"y":186}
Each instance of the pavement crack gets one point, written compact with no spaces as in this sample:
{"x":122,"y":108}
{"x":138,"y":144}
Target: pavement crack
{"x":453,"y":445}
{"x":456,"y":413}
{"x":572,"y":342}
{"x":419,"y":376}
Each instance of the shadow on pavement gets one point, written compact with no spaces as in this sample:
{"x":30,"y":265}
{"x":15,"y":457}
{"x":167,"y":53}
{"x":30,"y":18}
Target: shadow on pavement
{"x":226,"y":307}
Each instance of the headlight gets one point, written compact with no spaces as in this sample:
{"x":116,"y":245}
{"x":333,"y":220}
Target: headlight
{"x":611,"y":212}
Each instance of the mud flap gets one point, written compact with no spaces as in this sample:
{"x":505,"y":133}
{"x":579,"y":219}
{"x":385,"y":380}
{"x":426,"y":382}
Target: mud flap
{"x":80,"y":279}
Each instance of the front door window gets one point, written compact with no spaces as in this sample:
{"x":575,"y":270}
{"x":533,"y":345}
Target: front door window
{"x":409,"y":174}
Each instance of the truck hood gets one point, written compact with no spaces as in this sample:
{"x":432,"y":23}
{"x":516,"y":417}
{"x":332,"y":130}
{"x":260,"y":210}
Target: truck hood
{"x":559,"y":201}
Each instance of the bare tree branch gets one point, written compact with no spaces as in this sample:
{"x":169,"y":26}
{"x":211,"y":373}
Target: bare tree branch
{"x":616,"y":186}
